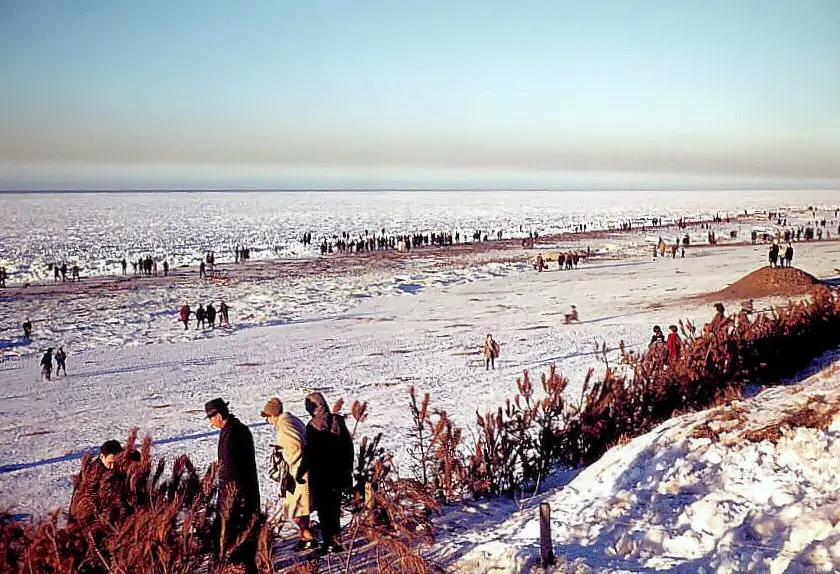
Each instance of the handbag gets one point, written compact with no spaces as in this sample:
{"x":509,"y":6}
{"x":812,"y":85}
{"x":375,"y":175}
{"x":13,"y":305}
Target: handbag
{"x":279,"y":472}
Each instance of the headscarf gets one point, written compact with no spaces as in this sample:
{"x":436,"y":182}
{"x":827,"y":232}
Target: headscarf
{"x":322,"y":418}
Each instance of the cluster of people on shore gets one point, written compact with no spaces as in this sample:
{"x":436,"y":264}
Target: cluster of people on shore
{"x":565,"y":261}
{"x":60,"y":272}
{"x":661,"y":248}
{"x":205,"y":316}
{"x":47,"y":363}
{"x":241,"y":254}
{"x":369,"y":241}
{"x":311,"y":466}
{"x":774,"y":252}
{"x":144,"y":266}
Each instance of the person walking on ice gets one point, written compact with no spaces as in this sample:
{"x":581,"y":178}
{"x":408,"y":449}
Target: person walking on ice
{"x":60,"y":365}
{"x":47,"y":364}
{"x":491,"y":351}
{"x":184,"y":316}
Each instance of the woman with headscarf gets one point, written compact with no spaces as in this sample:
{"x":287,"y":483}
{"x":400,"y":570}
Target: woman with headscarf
{"x":328,"y":458}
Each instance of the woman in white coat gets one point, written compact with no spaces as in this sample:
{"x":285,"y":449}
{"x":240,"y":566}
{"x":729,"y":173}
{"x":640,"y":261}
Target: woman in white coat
{"x":290,"y":442}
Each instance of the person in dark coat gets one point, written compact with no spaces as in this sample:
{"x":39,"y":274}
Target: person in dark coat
{"x":60,"y":360}
{"x":328,"y":458}
{"x":86,"y":503}
{"x":238,"y":483}
{"x":27,"y":329}
{"x":658,"y":337}
{"x":47,"y":364}
{"x":200,"y":316}
{"x":211,"y":315}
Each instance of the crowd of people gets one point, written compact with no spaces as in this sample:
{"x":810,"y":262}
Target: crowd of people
{"x":311,"y":466}
{"x":369,"y":241}
{"x":205,"y":316}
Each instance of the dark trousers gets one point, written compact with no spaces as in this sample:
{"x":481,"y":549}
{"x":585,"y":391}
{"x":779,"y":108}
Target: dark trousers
{"x":61,"y":367}
{"x":328,"y":505}
{"x":490,"y":362}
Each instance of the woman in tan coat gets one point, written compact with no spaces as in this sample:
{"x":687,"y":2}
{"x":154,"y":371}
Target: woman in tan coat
{"x":291,"y":441}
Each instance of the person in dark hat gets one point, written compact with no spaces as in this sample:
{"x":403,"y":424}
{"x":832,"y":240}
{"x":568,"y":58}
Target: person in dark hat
{"x":238,"y":484}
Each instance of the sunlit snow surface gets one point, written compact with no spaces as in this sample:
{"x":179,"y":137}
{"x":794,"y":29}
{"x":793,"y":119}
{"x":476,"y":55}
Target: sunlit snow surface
{"x":366,"y":335}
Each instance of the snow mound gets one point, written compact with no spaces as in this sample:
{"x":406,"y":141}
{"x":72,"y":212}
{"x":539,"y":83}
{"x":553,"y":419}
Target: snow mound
{"x":747,"y":487}
{"x":770,"y":282}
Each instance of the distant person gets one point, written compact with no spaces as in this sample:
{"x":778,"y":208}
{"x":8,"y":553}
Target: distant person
{"x":788,"y":255}
{"x":328,"y":458}
{"x":238,"y":483}
{"x":202,"y":270}
{"x":773,"y":254}
{"x":47,"y":364}
{"x":674,"y":344}
{"x":200,"y":316}
{"x":719,"y":322}
{"x":60,"y":362}
{"x":491,"y":351}
{"x":3,"y":275}
{"x":124,"y":265}
{"x":184,"y":315}
{"x":211,"y":315}
{"x":165,"y":268}
{"x":63,"y":272}
{"x":27,"y":329}
{"x":657,"y":338}
{"x":224,"y":318}
{"x":571,"y":316}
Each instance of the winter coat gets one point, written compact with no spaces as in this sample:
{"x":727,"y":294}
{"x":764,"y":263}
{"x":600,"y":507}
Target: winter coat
{"x":238,"y":466}
{"x":211,"y":313}
{"x":60,"y":357}
{"x":46,"y":361}
{"x":657,"y":338}
{"x":674,"y":345}
{"x":328,"y":456}
{"x":185,"y":313}
{"x":291,"y":437}
{"x":491,"y":349}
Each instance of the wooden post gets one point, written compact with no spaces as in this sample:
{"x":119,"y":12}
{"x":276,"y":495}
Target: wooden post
{"x":546,"y":550}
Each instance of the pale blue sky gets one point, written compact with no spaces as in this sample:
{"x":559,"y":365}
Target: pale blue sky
{"x":210,"y":92}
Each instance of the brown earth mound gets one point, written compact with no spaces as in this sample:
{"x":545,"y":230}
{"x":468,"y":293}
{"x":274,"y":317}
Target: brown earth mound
{"x":770,"y":282}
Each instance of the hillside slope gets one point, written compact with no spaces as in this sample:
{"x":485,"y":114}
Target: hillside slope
{"x":749,"y":487}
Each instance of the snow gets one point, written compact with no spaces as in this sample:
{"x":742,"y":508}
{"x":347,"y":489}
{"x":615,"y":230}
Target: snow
{"x":662,"y":500}
{"x":668,"y":501}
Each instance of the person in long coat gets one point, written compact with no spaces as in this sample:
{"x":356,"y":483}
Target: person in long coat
{"x":239,"y":488}
{"x":290,"y":441}
{"x":328,"y":458}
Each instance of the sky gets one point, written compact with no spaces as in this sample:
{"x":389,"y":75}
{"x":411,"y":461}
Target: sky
{"x":286,"y":93}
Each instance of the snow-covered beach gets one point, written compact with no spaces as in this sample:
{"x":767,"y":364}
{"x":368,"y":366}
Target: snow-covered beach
{"x":351,"y":327}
